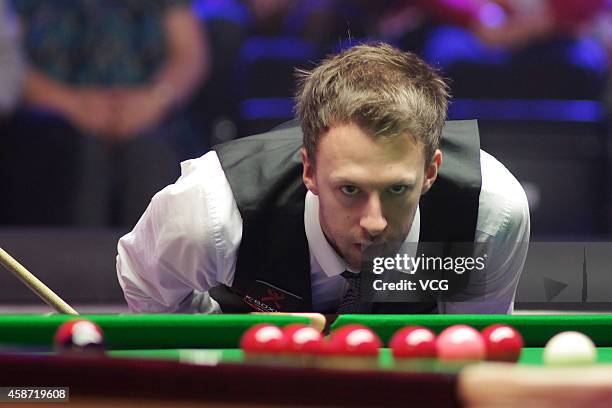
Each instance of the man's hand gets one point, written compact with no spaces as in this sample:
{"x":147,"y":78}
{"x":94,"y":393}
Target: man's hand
{"x":90,"y":110}
{"x":136,"y":110}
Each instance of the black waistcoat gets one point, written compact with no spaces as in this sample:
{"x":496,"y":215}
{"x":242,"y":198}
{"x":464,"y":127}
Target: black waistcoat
{"x":273,"y":265}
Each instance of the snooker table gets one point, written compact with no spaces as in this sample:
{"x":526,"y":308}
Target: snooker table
{"x":193,"y":360}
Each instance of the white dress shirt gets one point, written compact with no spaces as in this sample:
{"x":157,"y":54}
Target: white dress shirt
{"x":187,"y":242}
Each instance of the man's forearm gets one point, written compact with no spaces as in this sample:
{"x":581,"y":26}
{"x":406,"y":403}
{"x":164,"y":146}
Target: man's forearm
{"x":44,"y":92}
{"x":187,"y":62}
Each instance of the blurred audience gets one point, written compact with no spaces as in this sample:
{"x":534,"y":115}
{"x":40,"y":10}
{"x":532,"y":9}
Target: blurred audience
{"x":528,"y":37}
{"x":240,"y":32}
{"x":517,"y":23}
{"x":11,"y":65}
{"x":113,"y":78}
{"x":116,"y":93}
{"x":527,"y":48}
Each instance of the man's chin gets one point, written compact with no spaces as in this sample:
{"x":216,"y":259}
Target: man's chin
{"x":354,"y":261}
{"x":352,"y":256}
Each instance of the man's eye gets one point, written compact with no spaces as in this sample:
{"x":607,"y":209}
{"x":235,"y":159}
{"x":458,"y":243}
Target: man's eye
{"x":399,"y":189}
{"x":349,"y":190}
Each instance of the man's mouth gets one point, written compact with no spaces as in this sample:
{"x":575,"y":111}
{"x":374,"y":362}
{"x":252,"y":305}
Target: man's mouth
{"x":362,"y":247}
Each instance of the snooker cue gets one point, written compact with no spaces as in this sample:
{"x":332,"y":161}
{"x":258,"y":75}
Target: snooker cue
{"x":35,"y":285}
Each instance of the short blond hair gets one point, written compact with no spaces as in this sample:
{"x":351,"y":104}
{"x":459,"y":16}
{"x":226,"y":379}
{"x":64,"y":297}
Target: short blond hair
{"x":385,"y":91}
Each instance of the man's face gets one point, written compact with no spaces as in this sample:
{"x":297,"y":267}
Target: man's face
{"x":368,"y":188}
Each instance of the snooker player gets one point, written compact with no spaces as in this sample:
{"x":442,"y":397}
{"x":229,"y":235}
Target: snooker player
{"x":278,"y":221}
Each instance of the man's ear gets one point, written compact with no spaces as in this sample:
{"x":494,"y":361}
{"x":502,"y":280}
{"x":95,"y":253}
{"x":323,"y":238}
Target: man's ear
{"x":309,"y":174}
{"x":431,"y":172}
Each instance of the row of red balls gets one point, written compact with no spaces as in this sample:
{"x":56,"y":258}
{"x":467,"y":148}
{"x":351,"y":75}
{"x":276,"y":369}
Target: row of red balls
{"x":497,"y":342}
{"x":458,"y":342}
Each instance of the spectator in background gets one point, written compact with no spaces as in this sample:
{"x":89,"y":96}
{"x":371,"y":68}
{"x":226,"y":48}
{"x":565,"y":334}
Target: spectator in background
{"x":11,"y":68}
{"x":520,"y":41}
{"x":516,"y":24}
{"x":307,"y":19}
{"x":119,"y":74}
{"x":513,"y":24}
{"x":231,"y":25}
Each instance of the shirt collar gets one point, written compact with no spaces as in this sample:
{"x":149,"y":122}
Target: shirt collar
{"x":332,"y":263}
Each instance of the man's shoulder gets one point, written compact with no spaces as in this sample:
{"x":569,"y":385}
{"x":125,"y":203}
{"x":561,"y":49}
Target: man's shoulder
{"x":197,"y":174}
{"x":503,"y":203}
{"x":265,"y":172}
{"x":200,"y":201}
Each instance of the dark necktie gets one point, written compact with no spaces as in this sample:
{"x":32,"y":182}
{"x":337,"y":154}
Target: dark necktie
{"x":351,"y":300}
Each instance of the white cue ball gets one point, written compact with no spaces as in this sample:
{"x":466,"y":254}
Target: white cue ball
{"x":568,"y":348}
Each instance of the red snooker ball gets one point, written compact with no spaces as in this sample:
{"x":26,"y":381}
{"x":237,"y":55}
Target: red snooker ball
{"x":354,"y":339}
{"x":413,"y":342}
{"x":263,"y":338}
{"x":301,"y":338}
{"x":79,"y":335}
{"x":460,"y":342}
{"x":503,"y":343}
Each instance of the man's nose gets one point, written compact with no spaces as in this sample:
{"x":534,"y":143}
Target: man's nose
{"x":373,"y":219}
